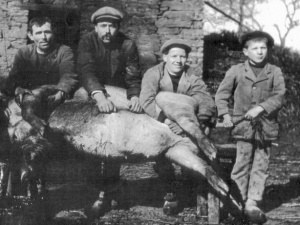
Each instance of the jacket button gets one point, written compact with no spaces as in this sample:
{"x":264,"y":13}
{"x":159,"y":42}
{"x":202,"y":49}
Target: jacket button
{"x":254,"y":88}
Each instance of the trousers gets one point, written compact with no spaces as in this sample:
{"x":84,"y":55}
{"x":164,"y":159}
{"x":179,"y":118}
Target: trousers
{"x":250,"y":170}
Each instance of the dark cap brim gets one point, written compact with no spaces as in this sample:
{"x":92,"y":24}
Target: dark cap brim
{"x":173,"y":43}
{"x":107,"y":18}
{"x":256,"y":34}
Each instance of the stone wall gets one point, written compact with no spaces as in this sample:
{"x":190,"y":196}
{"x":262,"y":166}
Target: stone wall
{"x":183,"y":19}
{"x":13,"y":32}
{"x":148,"y":22}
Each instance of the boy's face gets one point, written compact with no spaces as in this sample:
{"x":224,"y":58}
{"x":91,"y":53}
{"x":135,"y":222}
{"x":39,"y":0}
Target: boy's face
{"x":256,"y":51}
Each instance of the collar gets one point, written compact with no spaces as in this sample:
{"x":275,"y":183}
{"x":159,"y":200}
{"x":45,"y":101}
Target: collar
{"x":166,"y":82}
{"x":53,"y":51}
{"x":262,"y":76}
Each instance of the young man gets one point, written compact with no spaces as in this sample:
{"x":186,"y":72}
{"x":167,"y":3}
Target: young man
{"x":174,"y":75}
{"x":107,"y":57}
{"x":258,"y":89}
{"x":42,"y":62}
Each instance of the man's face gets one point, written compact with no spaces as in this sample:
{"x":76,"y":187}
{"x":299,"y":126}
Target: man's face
{"x":175,"y":60}
{"x":42,"y":36}
{"x":106,"y":31}
{"x":256,"y":52}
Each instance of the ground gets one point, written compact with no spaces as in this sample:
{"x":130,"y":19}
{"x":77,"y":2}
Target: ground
{"x":140,"y":197}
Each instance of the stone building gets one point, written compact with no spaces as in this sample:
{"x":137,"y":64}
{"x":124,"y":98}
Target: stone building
{"x":148,"y":22}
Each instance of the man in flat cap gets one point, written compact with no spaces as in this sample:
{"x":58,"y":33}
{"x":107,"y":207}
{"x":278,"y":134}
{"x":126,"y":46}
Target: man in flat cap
{"x":107,"y":57}
{"x":258,"y":90}
{"x":174,"y":75}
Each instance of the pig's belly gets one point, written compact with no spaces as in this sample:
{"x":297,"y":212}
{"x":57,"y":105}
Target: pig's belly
{"x":121,"y":134}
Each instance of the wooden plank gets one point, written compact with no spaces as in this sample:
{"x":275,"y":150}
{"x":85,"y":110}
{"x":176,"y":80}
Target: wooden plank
{"x":202,"y":201}
{"x":213,"y":208}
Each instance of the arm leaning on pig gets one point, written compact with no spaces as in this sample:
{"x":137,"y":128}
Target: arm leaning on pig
{"x":150,"y":88}
{"x":133,"y":76}
{"x":68,"y":78}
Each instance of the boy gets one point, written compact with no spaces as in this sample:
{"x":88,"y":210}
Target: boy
{"x":258,"y":89}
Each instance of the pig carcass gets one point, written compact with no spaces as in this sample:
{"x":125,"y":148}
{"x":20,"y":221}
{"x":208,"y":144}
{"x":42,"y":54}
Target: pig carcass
{"x":123,"y":135}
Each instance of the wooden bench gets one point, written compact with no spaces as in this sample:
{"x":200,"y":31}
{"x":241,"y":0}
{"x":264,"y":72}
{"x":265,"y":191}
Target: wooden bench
{"x":208,"y":202}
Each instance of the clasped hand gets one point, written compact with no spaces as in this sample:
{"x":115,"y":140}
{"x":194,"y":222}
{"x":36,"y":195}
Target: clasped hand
{"x":254,"y":112}
{"x":134,"y":105}
{"x":250,"y":115}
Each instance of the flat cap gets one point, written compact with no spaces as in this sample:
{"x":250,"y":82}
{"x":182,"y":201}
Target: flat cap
{"x":256,"y":34}
{"x":107,"y":13}
{"x":180,"y":43}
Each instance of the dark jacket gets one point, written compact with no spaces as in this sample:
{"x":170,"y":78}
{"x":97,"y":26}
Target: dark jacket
{"x":266,"y":90}
{"x":157,"y":79}
{"x":122,"y":69}
{"x":59,"y":69}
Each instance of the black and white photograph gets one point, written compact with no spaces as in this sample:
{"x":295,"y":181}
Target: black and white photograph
{"x":149,"y":112}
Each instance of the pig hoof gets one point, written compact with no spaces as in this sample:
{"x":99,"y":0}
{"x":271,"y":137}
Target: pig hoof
{"x":114,"y":204}
{"x":256,"y":216}
{"x":171,"y":204}
{"x":99,"y":207}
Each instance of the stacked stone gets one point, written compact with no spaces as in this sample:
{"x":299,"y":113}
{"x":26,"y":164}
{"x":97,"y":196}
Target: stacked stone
{"x":183,"y":19}
{"x":139,"y":24}
{"x":13,"y":33}
{"x":88,"y":7}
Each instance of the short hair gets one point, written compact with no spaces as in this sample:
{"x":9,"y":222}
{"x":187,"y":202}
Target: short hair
{"x":38,"y":21}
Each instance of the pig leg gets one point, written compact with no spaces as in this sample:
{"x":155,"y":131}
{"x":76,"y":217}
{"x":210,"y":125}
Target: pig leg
{"x":183,"y":156}
{"x":29,"y":108}
{"x":181,"y":109}
{"x":35,"y":107}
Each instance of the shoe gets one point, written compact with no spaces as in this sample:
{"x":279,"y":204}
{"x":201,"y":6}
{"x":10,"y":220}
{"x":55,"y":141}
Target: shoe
{"x":254,"y":213}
